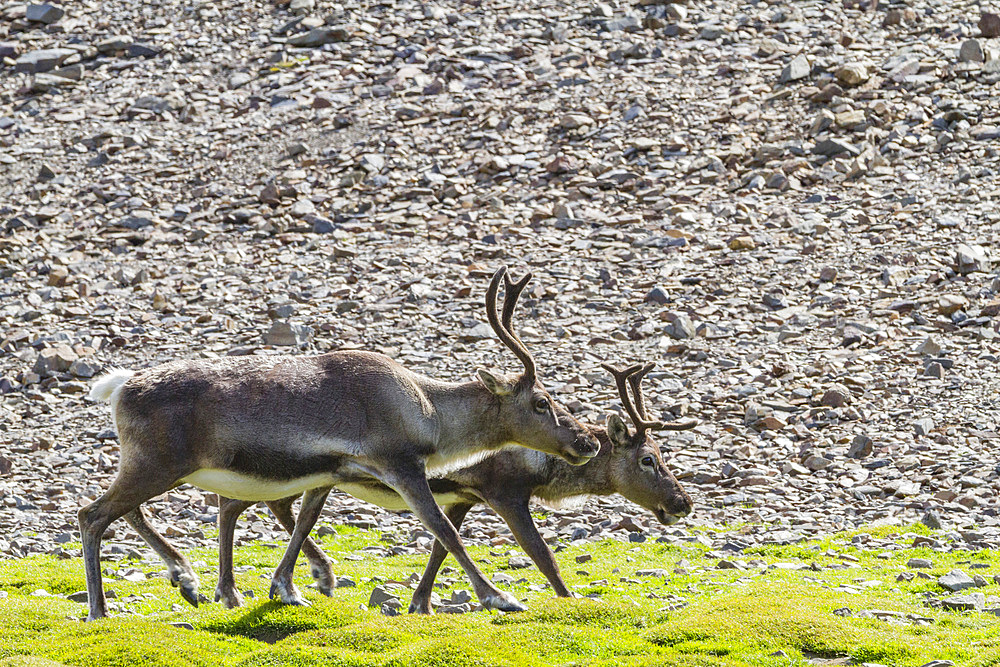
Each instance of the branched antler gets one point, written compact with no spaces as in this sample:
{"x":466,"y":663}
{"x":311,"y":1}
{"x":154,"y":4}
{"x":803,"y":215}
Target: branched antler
{"x":637,"y":409}
{"x":503,"y":329}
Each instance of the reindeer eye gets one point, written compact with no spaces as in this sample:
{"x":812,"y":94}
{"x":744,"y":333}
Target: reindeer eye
{"x":647,"y":461}
{"x":542,"y":405}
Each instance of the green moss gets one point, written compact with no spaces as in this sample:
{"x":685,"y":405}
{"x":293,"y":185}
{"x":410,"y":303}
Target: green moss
{"x":732,"y":617}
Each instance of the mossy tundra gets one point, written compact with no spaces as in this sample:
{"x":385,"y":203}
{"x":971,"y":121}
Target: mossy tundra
{"x":770,"y":605}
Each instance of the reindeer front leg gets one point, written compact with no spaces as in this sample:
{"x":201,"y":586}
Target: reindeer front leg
{"x":410,"y":481}
{"x":515,"y":512}
{"x":281,"y":583}
{"x":421,"y":602}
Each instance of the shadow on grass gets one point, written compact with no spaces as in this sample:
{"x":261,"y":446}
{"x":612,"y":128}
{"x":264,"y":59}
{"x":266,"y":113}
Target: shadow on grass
{"x":271,"y":621}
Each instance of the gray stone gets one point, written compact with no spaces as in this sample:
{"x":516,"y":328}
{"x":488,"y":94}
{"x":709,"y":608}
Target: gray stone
{"x":836,"y":396}
{"x":320,"y":36}
{"x":656,"y":573}
{"x":321,"y":225}
{"x":142,"y":50}
{"x":861,"y":447}
{"x":955,"y":581}
{"x":971,"y":51}
{"x":934,"y":370}
{"x":518,"y":562}
{"x":989,"y":24}
{"x":681,"y":328}
{"x":135,"y":221}
{"x":239,"y":79}
{"x":832,"y":147}
{"x":391,"y":608}
{"x":921,"y":563}
{"x":344,"y":582}
{"x":967,"y":602}
{"x":44,"y":13}
{"x":42,"y":60}
{"x":929,"y":347}
{"x":54,"y":359}
{"x":971,"y":258}
{"x":798,"y":68}
{"x":381,"y":595}
{"x":79,"y":596}
{"x":286,"y":333}
{"x":625,"y":23}
{"x":84,"y":369}
{"x":113,"y":44}
{"x":301,"y":6}
{"x":657,"y":295}
{"x":923,"y":426}
{"x":816,"y":463}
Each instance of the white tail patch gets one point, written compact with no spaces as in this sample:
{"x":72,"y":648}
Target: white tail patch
{"x":108,"y":384}
{"x":107,"y":389}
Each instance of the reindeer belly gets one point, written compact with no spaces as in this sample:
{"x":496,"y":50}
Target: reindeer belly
{"x":241,"y":486}
{"x":379,"y":494}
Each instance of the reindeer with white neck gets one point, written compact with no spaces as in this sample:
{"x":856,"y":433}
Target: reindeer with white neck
{"x":267,"y":428}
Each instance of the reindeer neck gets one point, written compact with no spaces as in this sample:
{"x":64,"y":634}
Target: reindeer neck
{"x":591,"y":479}
{"x":466,"y":416}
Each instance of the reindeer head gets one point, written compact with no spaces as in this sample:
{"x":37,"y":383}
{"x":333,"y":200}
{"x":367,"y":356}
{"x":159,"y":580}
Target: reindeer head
{"x":524,"y":410}
{"x":637,"y":468}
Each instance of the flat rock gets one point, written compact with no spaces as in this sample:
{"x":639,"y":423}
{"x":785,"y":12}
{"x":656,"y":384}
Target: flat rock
{"x":956,"y":580}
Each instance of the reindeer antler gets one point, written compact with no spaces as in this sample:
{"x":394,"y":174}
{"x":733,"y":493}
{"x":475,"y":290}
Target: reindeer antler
{"x":503,"y":331}
{"x":634,"y":381}
{"x":621,"y":379}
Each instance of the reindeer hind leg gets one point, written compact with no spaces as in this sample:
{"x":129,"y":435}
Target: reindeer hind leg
{"x":131,"y":488}
{"x":181,"y":574}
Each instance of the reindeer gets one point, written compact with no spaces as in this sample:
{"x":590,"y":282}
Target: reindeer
{"x":629,"y":464}
{"x":265,"y":428}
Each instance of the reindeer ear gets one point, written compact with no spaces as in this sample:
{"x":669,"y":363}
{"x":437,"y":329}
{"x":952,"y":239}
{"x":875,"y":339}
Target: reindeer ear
{"x":494,"y":384}
{"x":618,"y":432}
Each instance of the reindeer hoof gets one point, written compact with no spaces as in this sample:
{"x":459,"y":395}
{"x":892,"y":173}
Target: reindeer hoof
{"x":324,"y":581}
{"x":502,"y":602}
{"x":287,"y":594}
{"x":187,"y":582}
{"x":421,"y":607}
{"x":230,"y":599}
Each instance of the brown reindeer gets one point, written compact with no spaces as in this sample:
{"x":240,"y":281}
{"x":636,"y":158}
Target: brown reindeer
{"x":266,"y":428}
{"x":629,"y":464}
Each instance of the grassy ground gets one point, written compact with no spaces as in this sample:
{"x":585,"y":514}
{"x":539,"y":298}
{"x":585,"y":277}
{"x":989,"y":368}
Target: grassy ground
{"x":766,"y":614}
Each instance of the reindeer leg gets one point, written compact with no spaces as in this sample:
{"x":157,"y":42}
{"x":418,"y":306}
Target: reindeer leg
{"x":229,"y":512}
{"x":518,"y":517}
{"x":319,"y":562}
{"x":178,"y":568}
{"x":410,"y":482}
{"x":281,"y":583}
{"x":421,"y":603}
{"x":131,"y":488}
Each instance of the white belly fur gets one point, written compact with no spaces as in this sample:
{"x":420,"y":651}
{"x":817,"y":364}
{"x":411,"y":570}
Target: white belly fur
{"x":390,"y":500}
{"x":246,"y":487}
{"x":439,"y":465}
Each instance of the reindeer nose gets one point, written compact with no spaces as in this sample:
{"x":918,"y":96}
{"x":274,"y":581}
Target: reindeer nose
{"x":680,"y":507}
{"x":587,"y":445}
